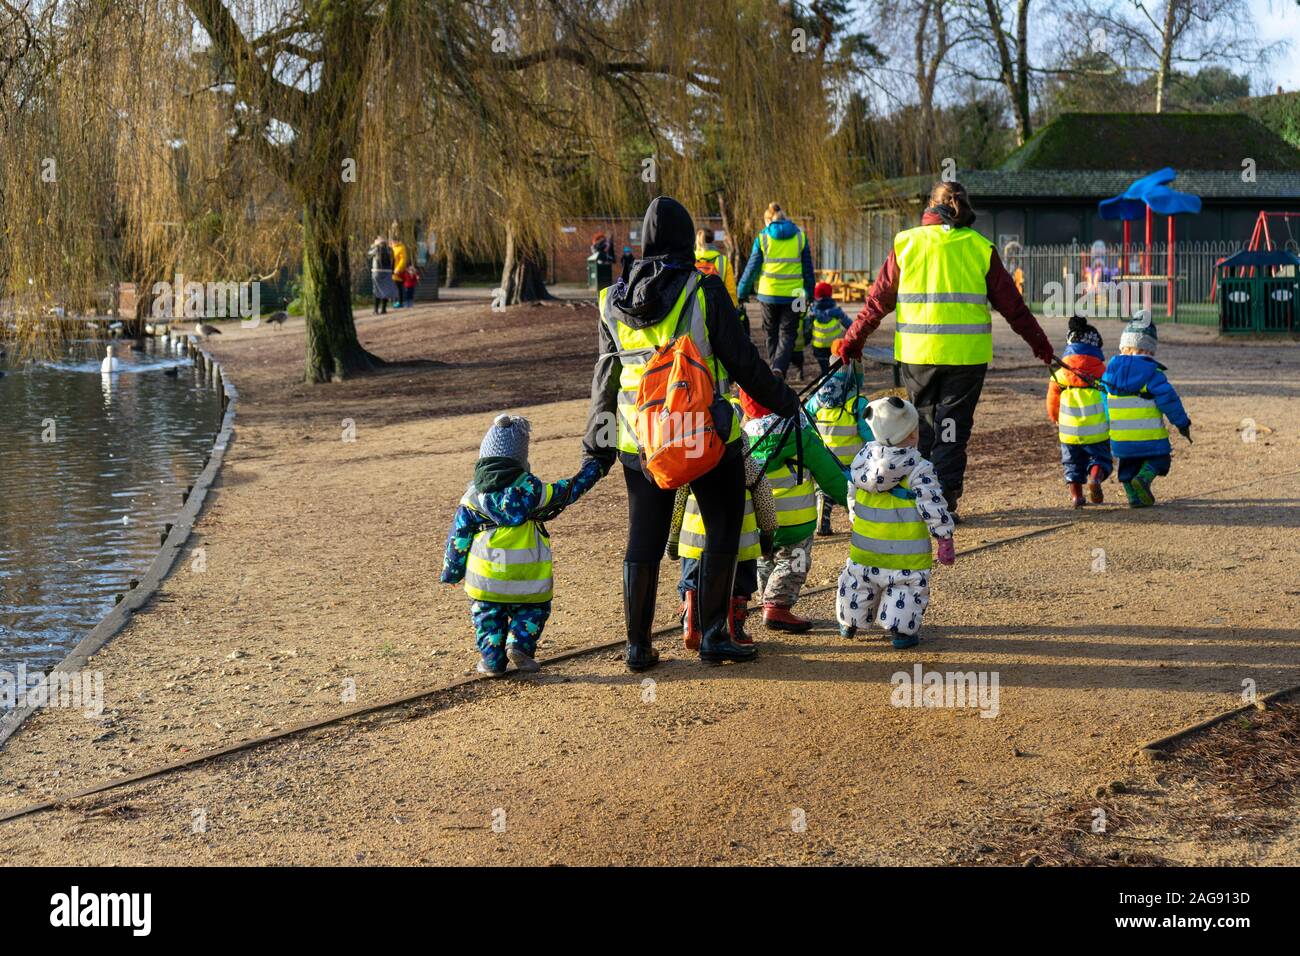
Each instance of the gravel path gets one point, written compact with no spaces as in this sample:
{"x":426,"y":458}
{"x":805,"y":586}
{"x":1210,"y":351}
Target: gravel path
{"x":321,"y":560}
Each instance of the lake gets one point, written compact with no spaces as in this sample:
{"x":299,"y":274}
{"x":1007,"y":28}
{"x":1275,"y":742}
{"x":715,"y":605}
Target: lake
{"x":91,"y":468}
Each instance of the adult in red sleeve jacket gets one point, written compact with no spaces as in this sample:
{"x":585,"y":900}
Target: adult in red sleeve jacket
{"x":940,"y":280}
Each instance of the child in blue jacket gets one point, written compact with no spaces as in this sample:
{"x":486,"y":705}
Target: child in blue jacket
{"x":500,"y":548}
{"x":824,"y":323}
{"x":1139,"y":398}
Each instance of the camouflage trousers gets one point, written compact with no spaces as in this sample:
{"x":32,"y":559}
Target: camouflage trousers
{"x":496,"y":625}
{"x":781,"y":578}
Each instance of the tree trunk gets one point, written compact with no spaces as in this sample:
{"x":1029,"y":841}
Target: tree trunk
{"x":1015,"y":76}
{"x":522,"y":277}
{"x":333,"y":352}
{"x":451,"y":280}
{"x":1166,"y":55}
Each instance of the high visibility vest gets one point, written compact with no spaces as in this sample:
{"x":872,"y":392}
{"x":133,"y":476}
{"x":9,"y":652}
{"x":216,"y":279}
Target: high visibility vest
{"x":796,"y":501}
{"x":691,"y":543}
{"x":711,"y":260}
{"x":888,"y":532}
{"x":717,"y":260}
{"x":1135,"y":418}
{"x":942,"y":307}
{"x":782,"y":273}
{"x":637,"y":346}
{"x":838,"y":426}
{"x":1082,"y":416}
{"x":825,"y":331}
{"x":509,"y":565}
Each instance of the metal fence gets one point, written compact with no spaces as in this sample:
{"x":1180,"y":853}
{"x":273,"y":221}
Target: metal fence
{"x":1109,"y":281}
{"x":1104,"y":279}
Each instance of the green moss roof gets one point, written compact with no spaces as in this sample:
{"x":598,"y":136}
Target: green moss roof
{"x":1280,"y":112}
{"x":1149,"y":141}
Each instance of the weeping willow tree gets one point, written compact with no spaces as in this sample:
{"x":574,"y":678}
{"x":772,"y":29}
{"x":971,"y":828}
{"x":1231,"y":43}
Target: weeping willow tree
{"x":215,"y":136}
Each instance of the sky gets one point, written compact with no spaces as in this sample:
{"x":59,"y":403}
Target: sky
{"x":1280,"y":20}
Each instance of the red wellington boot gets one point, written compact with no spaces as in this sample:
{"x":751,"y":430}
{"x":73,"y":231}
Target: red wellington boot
{"x":690,"y":623}
{"x":739,"y":610}
{"x":1094,"y":485}
{"x":1076,"y":494}
{"x":780,"y":618}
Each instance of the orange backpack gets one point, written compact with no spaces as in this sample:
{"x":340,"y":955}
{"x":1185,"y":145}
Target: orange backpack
{"x":676,"y":425}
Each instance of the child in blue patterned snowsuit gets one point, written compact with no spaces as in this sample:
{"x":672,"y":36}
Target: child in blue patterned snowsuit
{"x":499,"y":547}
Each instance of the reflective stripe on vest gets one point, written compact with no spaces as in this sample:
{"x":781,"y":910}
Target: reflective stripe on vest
{"x":825,"y":332}
{"x":509,"y":565}
{"x":1135,"y":418}
{"x":888,"y":532}
{"x":1082,"y":416}
{"x":782,"y":269}
{"x":942,"y":305}
{"x":796,"y":501}
{"x":637,"y":346}
{"x":838,"y":426}
{"x":691,"y":543}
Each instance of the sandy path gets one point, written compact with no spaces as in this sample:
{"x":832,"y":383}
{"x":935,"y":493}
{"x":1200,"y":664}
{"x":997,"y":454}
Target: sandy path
{"x":1195,"y":597}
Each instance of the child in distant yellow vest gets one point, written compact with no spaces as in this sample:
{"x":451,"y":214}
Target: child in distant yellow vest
{"x":499,"y":547}
{"x":897,"y":506}
{"x":839,"y":410}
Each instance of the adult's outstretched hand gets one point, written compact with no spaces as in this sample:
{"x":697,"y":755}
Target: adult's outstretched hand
{"x":855,"y":338}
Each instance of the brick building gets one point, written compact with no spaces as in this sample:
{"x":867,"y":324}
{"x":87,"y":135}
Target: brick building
{"x":571,"y":243}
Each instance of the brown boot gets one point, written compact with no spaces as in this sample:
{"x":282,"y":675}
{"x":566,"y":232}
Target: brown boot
{"x":739,"y":610}
{"x":691,"y":624}
{"x":780,"y":618}
{"x":1095,"y":494}
{"x":1076,"y":494}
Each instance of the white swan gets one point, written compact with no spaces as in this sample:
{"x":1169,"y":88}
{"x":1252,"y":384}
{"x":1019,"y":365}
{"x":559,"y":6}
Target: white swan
{"x":110,"y":364}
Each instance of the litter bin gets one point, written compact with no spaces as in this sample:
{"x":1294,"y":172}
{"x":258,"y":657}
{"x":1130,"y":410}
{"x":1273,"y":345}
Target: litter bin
{"x":599,"y":274}
{"x":1259,"y":291}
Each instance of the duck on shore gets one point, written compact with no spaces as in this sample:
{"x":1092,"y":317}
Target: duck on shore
{"x":205,"y":330}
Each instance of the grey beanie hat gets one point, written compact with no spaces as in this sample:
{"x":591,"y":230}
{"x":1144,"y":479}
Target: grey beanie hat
{"x":1140,"y":333}
{"x":891,"y":419}
{"x":507,"y":438}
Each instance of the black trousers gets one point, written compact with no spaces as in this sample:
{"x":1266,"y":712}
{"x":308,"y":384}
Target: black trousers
{"x":945,"y":397}
{"x":721,"y":497}
{"x":781,"y":324}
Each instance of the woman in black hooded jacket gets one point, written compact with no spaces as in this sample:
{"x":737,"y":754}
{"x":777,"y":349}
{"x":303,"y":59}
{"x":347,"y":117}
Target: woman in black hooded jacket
{"x":652,"y":287}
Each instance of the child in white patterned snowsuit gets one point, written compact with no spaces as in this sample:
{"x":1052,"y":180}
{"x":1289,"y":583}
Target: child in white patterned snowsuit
{"x":897,"y":505}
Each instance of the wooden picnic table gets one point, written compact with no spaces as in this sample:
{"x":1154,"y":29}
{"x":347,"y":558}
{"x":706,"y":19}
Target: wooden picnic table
{"x":849,"y":285}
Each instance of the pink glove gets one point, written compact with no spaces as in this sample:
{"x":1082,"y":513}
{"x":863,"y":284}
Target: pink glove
{"x":947,"y":554}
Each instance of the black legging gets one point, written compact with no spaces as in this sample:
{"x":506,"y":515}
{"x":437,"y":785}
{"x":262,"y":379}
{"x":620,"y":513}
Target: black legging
{"x":721,"y":497}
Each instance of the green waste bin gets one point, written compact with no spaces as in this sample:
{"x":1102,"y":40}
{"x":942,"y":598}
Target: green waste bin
{"x":599,"y":274}
{"x":1259,"y":303}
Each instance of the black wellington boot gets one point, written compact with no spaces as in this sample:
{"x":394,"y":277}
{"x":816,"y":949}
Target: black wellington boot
{"x":713,"y":603}
{"x":640,"y":587}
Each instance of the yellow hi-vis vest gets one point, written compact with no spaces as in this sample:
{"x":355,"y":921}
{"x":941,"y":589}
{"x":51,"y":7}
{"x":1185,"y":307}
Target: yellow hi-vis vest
{"x":509,"y":565}
{"x":691,"y":543}
{"x":796,"y":501}
{"x":722,"y":266}
{"x":942,"y":306}
{"x":888,"y":532}
{"x":825,"y":331}
{"x":636,"y":347}
{"x":1082,"y":416}
{"x":782,"y":265}
{"x":838,"y":426}
{"x":1135,"y":418}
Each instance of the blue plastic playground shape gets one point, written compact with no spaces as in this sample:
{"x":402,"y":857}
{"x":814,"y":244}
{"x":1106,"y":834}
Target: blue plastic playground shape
{"x":1150,"y":191}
